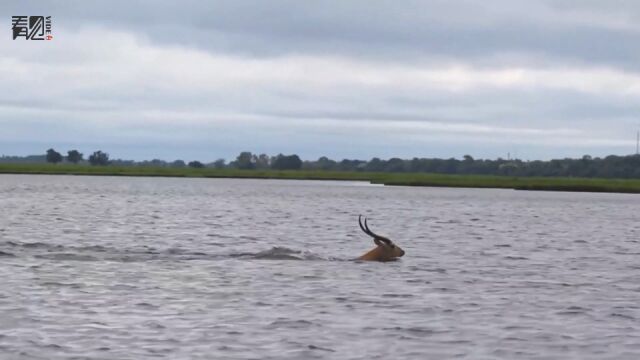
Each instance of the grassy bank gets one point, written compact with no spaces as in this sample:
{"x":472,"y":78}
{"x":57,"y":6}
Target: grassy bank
{"x":401,"y":179}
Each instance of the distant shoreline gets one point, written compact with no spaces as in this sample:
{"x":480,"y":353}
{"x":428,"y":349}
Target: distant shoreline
{"x":391,"y":179}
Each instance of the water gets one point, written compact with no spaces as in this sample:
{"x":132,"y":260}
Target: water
{"x":137,"y":268}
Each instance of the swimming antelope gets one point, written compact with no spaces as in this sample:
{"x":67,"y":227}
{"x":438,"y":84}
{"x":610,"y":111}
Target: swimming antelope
{"x":386,"y":249}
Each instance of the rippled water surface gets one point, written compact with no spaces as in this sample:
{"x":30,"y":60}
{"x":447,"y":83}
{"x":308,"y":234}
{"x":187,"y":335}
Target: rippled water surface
{"x":136,"y":268}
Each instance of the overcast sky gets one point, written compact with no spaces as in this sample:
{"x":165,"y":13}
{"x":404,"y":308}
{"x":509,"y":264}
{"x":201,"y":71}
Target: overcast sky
{"x":346,"y":79}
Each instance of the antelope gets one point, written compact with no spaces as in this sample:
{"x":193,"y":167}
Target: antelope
{"x":386,"y":249}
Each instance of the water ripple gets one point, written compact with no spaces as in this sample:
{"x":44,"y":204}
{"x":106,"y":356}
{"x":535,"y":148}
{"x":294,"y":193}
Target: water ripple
{"x":141,"y":268}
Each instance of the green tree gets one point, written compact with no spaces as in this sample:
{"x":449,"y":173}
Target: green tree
{"x":287,"y":162}
{"x":375,"y":164}
{"x":245,"y":161}
{"x":99,"y":158}
{"x":53,"y":156}
{"x":156,"y":162}
{"x":219,"y":164}
{"x":178,"y":164}
{"x":261,"y":161}
{"x":395,"y":165}
{"x":73,"y":156}
{"x":325,"y":163}
{"x":196,"y":164}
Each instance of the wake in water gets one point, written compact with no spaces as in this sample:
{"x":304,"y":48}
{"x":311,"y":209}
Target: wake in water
{"x":42,"y":250}
{"x":280,"y":253}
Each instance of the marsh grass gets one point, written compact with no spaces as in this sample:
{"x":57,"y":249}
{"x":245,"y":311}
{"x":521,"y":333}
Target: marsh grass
{"x":398,"y":179}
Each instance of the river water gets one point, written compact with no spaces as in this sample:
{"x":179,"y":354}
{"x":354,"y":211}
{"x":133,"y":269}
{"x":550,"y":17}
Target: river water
{"x":137,"y":268}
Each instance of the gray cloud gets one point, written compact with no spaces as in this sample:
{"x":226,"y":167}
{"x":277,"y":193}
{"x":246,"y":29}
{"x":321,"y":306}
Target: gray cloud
{"x":407,"y":31}
{"x":345,"y":79}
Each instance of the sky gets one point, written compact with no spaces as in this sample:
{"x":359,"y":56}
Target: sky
{"x":202,"y":80}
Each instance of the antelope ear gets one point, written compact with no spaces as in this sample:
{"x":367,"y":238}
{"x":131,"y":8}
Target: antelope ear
{"x":385,"y":241}
{"x":377,"y":242}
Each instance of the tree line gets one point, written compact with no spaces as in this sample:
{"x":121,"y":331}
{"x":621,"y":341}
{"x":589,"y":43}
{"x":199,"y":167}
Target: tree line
{"x":612,"y":166}
{"x":74,"y":157}
{"x":245,"y":161}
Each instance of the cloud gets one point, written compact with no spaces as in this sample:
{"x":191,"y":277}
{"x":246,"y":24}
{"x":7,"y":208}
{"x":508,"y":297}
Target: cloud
{"x":212,"y":79}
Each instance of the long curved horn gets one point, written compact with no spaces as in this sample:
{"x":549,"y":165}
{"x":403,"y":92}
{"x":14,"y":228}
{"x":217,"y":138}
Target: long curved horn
{"x":362,"y":227}
{"x":368,"y":231}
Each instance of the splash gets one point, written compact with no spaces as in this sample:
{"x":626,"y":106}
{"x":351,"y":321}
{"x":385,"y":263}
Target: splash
{"x":46,"y":251}
{"x":279,"y":253}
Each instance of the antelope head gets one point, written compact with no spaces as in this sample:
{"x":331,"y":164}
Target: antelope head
{"x":386,"y":250}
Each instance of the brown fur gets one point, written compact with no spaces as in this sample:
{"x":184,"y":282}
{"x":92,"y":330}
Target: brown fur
{"x":382,"y":253}
{"x":386,"y":250}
